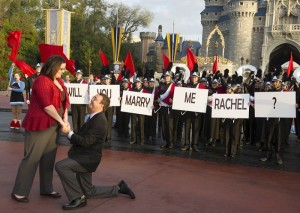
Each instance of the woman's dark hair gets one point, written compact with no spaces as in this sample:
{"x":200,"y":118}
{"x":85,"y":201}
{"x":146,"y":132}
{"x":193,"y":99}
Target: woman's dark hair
{"x":52,"y":66}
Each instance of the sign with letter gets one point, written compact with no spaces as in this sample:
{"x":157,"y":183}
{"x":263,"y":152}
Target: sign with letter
{"x":230,"y":106}
{"x":78,"y":93}
{"x":112,"y":91}
{"x":275,"y":104}
{"x":137,"y":102}
{"x":190,"y":99}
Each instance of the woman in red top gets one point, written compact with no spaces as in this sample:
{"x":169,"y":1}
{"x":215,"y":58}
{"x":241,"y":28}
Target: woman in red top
{"x":47,"y":111}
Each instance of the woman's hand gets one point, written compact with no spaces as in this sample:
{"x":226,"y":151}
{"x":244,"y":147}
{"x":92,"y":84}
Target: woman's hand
{"x":65,"y":128}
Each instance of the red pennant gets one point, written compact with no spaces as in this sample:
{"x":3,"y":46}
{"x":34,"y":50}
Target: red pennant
{"x":13,"y":42}
{"x":25,"y":68}
{"x":47,"y":50}
{"x":291,"y":66}
{"x":215,"y":66}
{"x":191,"y":59}
{"x":166,"y":61}
{"x":129,"y":66}
{"x":104,"y":59}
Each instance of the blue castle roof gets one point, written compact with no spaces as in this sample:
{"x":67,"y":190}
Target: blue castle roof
{"x":212,"y":9}
{"x":261,"y":11}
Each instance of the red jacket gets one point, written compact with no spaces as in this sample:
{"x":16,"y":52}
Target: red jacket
{"x":44,"y":93}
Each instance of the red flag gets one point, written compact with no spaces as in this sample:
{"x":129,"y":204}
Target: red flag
{"x":291,"y":66}
{"x":13,"y":42}
{"x":104,"y":59}
{"x":191,"y":59}
{"x":215,"y":66}
{"x":166,"y":61}
{"x":25,"y":68}
{"x":47,"y":50}
{"x":129,"y":66}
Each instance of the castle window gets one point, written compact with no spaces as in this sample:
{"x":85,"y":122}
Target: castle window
{"x":241,"y":3}
{"x":206,"y":14}
{"x":216,"y":13}
{"x":259,"y":18}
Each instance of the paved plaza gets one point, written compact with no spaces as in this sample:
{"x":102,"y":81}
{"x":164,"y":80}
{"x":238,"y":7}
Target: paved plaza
{"x":165,"y":180}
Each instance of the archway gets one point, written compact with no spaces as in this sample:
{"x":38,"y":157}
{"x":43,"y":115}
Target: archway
{"x":218,"y":31}
{"x":282,"y":54}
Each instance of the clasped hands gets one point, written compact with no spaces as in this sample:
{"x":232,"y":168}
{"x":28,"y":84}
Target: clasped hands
{"x":65,"y":127}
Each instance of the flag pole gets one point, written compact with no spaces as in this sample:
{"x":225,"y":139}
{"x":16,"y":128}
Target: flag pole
{"x":116,"y":48}
{"x":10,"y":73}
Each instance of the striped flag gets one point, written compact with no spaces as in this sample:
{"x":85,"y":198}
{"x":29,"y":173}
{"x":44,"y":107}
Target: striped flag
{"x":116,"y":37}
{"x":172,"y":41}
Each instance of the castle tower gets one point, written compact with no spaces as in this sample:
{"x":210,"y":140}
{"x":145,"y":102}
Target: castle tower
{"x":159,"y":43}
{"x":241,"y":14}
{"x":147,"y":38}
{"x":209,"y":18}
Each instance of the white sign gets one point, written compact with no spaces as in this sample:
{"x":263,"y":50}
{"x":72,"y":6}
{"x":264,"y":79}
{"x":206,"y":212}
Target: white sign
{"x":190,"y":99}
{"x":112,"y":91}
{"x":230,"y":106}
{"x":137,"y":102}
{"x":78,"y":93}
{"x":275,"y":104}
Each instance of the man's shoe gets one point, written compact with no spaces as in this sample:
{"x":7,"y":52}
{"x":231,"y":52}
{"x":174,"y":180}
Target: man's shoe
{"x":279,"y":160}
{"x":23,"y":199}
{"x":164,"y":145}
{"x":53,"y":195}
{"x":132,"y":142}
{"x":171,"y":146}
{"x":185,"y":147}
{"x":124,"y":189}
{"x":75,"y":204}
{"x":264,"y":159}
{"x":195,"y":148}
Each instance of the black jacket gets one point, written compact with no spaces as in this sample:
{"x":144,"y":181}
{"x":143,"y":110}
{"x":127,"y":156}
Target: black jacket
{"x":87,"y":144}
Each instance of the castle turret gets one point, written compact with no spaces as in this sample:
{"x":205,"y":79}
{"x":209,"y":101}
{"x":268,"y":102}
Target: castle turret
{"x":147,"y":38}
{"x":159,"y":43}
{"x":241,"y":14}
{"x":209,"y":18}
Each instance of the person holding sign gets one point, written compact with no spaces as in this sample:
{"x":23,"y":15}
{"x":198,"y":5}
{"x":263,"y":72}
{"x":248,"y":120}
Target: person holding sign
{"x":106,"y":80}
{"x":192,"y":121}
{"x":137,"y":118}
{"x":232,"y":127}
{"x":274,"y":130}
{"x":166,"y":93}
{"x":48,"y":110}
{"x":123,"y":117}
{"x":78,"y":110}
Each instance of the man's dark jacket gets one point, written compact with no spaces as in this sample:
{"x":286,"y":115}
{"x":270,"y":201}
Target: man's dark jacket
{"x":87,"y":144}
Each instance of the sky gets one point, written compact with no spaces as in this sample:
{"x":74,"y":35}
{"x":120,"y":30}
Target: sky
{"x":184,"y":13}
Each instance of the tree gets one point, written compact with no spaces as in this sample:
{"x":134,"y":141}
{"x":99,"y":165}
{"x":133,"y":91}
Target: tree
{"x":131,"y":18}
{"x":19,"y":15}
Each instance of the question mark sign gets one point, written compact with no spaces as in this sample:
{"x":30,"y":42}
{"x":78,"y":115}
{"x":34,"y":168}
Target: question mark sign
{"x":275,"y":100}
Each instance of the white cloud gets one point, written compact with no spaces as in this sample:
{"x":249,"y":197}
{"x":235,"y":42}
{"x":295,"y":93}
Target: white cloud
{"x":185,"y":15}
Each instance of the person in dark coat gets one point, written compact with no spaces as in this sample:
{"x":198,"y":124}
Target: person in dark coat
{"x":75,"y":172}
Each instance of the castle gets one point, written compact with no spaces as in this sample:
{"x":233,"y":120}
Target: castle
{"x":261,"y":33}
{"x":257,"y":32}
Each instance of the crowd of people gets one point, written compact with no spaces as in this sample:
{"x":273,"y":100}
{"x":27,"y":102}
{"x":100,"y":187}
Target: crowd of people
{"x":189,"y":129}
